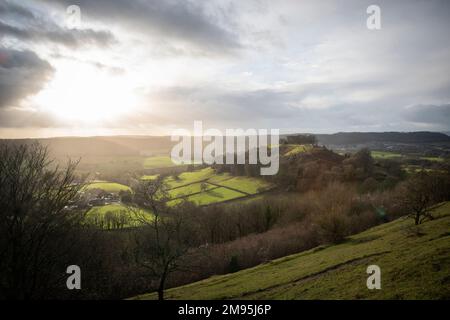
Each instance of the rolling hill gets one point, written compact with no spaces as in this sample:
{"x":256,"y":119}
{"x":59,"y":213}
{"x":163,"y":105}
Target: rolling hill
{"x":414,"y":262}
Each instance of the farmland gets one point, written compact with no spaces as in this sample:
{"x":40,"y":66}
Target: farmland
{"x":107,"y":186}
{"x":204,"y":187}
{"x":385,"y":155}
{"x":296,"y":149}
{"x":158,"y":162}
{"x":201,"y":187}
{"x":115,"y":216}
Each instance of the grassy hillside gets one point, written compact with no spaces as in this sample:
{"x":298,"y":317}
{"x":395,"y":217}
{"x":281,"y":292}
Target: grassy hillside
{"x":415,"y":264}
{"x":107,"y":186}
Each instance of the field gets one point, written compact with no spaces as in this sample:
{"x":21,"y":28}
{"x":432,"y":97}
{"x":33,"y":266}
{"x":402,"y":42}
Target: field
{"x":158,"y":162}
{"x":385,"y":155}
{"x":186,"y":178}
{"x":395,"y":155}
{"x":115,"y":216}
{"x":201,"y":187}
{"x":216,"y":187}
{"x":107,"y":186}
{"x":415,"y":264}
{"x":190,"y":189}
{"x":295,"y":149}
{"x":214,"y":196}
{"x":246,"y":185}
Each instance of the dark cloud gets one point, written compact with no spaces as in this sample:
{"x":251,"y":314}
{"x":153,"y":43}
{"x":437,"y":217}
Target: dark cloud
{"x":22,"y":73}
{"x":184,"y":21}
{"x":28,"y":26}
{"x":10,"y":8}
{"x":429,"y":114}
{"x":24,"y":118}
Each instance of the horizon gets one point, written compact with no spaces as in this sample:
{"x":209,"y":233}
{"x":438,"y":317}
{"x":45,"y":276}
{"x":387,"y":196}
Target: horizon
{"x":447,"y":133}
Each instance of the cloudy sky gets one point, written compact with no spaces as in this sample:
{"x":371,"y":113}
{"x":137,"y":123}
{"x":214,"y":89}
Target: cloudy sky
{"x":150,"y":66}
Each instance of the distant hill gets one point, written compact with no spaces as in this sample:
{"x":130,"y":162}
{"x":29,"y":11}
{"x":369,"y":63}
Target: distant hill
{"x":103,"y":146}
{"x":413,"y":266}
{"x":343,"y":138}
{"x":150,"y":145}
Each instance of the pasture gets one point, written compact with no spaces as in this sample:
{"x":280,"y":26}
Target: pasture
{"x":116,"y":216}
{"x":106,"y":186}
{"x":385,"y":155}
{"x":158,"y":162}
{"x":201,"y":187}
{"x":297,"y":148}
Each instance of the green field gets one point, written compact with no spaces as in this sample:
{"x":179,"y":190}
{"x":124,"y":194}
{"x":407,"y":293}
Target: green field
{"x":149,"y":177}
{"x":435,"y":159}
{"x":201,"y":187}
{"x":246,"y":184}
{"x":108,"y":216}
{"x":219,"y":187}
{"x":414,"y":265}
{"x":158,"y":162}
{"x":190,"y":177}
{"x":214,"y":196}
{"x":107,"y":186}
{"x":190,"y":189}
{"x":299,"y":148}
{"x":385,"y":155}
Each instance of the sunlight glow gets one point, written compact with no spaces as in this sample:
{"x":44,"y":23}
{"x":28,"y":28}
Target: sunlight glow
{"x":85,"y":94}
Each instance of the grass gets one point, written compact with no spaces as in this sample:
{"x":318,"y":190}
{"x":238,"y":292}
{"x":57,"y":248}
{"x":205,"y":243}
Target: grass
{"x":158,"y":162}
{"x":299,"y":148}
{"x":246,"y":184}
{"x":149,"y":177}
{"x":218,"y":187}
{"x":186,"y":178}
{"x":189,"y":189}
{"x":100,"y":215}
{"x":434,"y":159}
{"x":385,"y":155}
{"x":108,"y":186}
{"x":413,"y":266}
{"x":214,"y":195}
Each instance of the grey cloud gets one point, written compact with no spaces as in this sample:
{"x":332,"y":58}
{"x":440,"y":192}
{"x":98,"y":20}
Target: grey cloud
{"x":22,"y":73}
{"x":272,"y":108}
{"x":429,"y":114}
{"x":184,"y":21}
{"x":23,"y":118}
{"x":36,"y":27}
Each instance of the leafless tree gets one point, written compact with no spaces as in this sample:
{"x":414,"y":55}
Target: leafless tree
{"x":417,"y":196}
{"x":35,"y":222}
{"x":163,"y":242}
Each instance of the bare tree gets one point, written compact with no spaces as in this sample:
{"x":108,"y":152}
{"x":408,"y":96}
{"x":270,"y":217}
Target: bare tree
{"x":417,"y":197}
{"x":163,"y":242}
{"x":35,"y":222}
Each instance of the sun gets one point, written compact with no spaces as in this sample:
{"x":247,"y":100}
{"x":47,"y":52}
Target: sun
{"x":83,"y":93}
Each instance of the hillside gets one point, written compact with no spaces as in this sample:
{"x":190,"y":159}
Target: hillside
{"x":415,"y":264}
{"x":343,"y":138}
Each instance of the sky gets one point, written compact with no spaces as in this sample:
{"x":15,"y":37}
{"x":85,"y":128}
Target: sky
{"x":147,"y":67}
